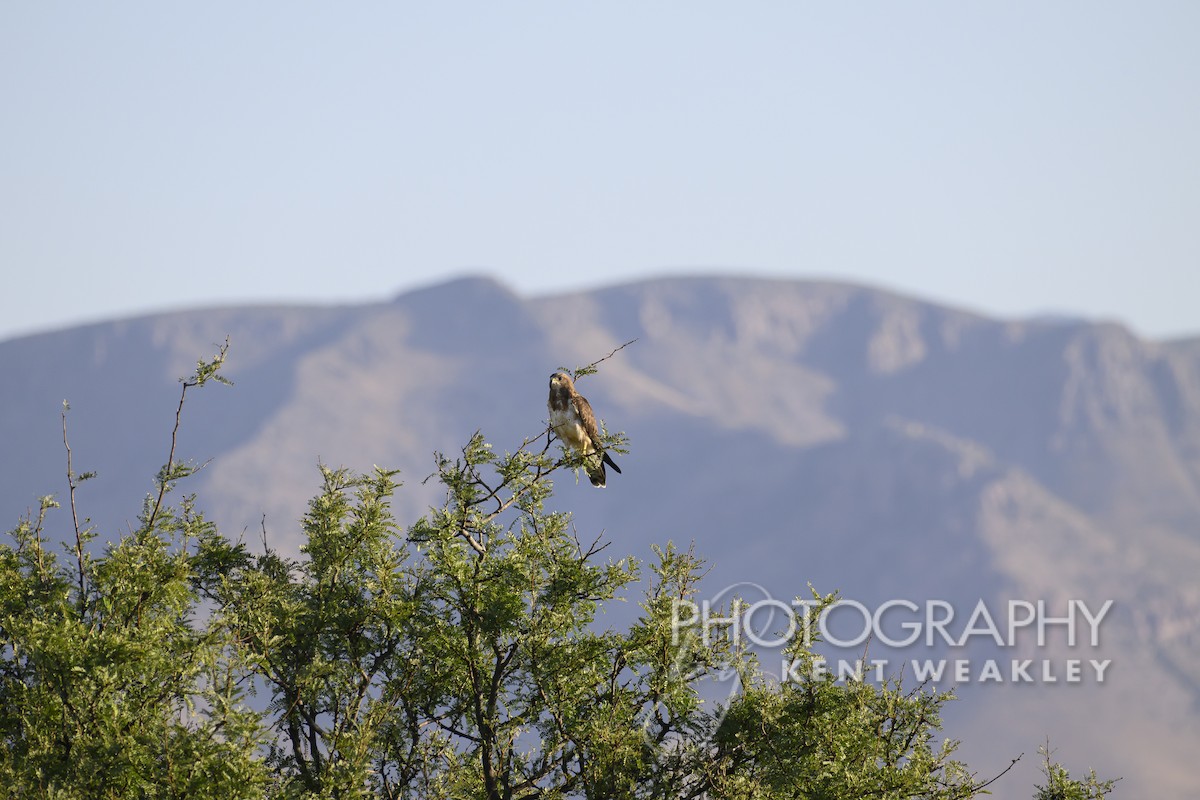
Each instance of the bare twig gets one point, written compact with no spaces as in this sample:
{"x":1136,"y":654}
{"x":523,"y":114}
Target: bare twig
{"x":985,"y":784}
{"x":73,"y":483}
{"x":590,"y":368}
{"x":165,"y":479}
{"x":592,"y":548}
{"x":204,"y":371}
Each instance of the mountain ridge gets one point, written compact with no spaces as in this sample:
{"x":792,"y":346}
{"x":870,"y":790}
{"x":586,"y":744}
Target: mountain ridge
{"x":796,"y":431}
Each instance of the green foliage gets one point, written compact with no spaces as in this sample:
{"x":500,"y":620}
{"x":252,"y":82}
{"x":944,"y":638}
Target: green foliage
{"x":109,"y":686}
{"x":1061,"y":786}
{"x":460,"y":657}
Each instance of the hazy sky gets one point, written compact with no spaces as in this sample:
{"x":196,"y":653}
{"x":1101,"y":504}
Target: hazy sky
{"x":1010,"y":157}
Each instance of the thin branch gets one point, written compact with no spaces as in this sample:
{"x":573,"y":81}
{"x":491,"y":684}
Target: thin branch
{"x":592,"y":548}
{"x":204,"y":371}
{"x":1011,"y":764}
{"x":164,"y":481}
{"x":472,"y":541}
{"x":587,"y":370}
{"x":73,"y":483}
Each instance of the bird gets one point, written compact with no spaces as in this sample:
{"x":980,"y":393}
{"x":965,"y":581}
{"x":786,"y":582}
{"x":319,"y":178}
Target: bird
{"x":573,"y":422}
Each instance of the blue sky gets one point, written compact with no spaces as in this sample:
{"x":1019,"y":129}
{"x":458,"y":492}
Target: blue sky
{"x":1009,"y":157}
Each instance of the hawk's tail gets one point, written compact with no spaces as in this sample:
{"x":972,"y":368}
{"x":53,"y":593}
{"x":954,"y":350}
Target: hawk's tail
{"x":597,"y":475}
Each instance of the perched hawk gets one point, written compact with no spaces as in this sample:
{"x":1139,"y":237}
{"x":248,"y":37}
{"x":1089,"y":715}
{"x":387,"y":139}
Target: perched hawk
{"x":572,"y":419}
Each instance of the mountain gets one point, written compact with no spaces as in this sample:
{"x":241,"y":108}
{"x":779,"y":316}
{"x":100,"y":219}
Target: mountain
{"x":796,"y":432}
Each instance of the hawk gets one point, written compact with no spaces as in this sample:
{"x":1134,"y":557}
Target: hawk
{"x":572,"y":419}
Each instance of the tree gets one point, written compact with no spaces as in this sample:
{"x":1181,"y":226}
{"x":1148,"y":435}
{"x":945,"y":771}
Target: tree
{"x":110,"y":685}
{"x":1061,"y":786}
{"x":458,"y":657}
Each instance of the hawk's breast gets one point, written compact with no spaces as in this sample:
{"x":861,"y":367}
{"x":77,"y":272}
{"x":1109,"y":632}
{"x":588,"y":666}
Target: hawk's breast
{"x":568,"y":428}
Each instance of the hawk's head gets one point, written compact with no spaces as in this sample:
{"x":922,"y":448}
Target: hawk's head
{"x":561,"y":391}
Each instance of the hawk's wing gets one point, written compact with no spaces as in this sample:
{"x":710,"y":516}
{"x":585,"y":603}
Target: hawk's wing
{"x":583,"y":410}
